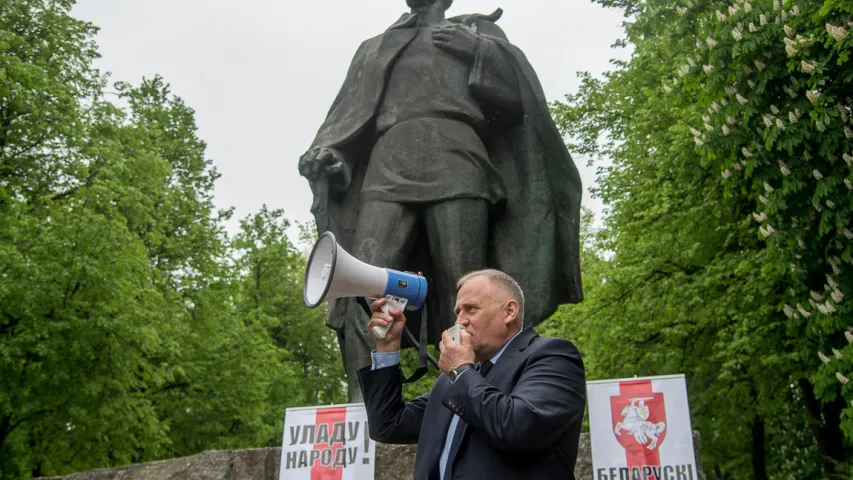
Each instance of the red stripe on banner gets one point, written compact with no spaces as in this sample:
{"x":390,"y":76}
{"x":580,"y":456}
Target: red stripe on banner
{"x":328,"y":417}
{"x":637,"y":455}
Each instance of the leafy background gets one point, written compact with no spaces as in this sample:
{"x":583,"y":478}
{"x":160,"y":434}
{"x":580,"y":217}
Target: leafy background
{"x":134,"y":328}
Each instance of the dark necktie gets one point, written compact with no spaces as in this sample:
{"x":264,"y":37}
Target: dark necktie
{"x":485,"y":367}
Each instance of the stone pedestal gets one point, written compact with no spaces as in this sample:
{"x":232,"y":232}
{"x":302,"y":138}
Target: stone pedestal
{"x":393,"y":462}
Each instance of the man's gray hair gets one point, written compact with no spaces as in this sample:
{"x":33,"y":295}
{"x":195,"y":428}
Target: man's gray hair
{"x":509,"y":285}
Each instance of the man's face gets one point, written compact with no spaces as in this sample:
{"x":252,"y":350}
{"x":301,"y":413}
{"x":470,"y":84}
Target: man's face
{"x":479,"y":308}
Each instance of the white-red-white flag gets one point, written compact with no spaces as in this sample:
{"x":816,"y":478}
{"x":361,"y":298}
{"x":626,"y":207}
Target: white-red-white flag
{"x":327,"y":443}
{"x":640,"y":429}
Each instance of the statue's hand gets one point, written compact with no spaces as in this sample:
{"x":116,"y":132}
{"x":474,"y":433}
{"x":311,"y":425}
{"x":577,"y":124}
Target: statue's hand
{"x":457,"y":39}
{"x":324,"y":160}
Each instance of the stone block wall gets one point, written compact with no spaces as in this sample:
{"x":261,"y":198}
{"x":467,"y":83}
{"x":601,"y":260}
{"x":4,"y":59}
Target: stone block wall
{"x":393,"y":462}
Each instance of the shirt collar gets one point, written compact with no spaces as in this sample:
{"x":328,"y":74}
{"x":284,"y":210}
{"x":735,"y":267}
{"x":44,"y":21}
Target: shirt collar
{"x":496,"y":356}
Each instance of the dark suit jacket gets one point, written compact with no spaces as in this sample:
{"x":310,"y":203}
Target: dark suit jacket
{"x":523,"y":420}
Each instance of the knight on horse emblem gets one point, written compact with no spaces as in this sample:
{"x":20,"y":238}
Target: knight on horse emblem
{"x":635,"y":421}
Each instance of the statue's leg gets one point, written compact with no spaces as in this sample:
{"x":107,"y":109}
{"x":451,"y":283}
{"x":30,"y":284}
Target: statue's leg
{"x":384,"y":236}
{"x":458,"y":236}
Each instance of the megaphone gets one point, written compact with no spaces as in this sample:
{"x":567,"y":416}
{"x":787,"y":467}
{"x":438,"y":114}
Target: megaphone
{"x":333,"y":273}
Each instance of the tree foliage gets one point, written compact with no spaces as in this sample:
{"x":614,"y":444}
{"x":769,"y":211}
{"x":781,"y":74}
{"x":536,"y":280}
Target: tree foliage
{"x":131,"y":327}
{"x":725,"y":252}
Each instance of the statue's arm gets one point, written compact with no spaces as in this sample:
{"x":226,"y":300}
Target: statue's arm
{"x":494,"y":79}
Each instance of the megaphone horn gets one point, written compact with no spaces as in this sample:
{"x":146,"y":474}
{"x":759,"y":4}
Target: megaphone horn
{"x":333,"y":273}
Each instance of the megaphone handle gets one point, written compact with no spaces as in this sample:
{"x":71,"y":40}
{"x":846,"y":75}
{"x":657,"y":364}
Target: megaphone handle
{"x":380,"y":331}
{"x":390,"y":302}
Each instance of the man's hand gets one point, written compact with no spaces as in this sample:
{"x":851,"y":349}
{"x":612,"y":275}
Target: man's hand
{"x":457,"y":39}
{"x":395,"y":318}
{"x":321,"y":160}
{"x":455,"y":354}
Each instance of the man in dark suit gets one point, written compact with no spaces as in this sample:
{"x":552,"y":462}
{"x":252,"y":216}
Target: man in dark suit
{"x":509,"y":405}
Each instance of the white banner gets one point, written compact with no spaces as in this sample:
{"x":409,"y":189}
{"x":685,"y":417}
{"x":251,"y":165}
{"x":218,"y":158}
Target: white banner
{"x":640,"y":429}
{"x":327,"y":443}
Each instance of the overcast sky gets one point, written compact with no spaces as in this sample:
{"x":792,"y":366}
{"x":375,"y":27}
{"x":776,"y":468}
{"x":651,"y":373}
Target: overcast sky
{"x":261,"y":74}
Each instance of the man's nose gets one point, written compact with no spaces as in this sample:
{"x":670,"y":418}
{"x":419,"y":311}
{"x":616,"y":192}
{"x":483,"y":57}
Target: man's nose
{"x":461,"y":320}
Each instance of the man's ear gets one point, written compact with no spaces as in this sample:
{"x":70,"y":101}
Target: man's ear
{"x":510,"y":312}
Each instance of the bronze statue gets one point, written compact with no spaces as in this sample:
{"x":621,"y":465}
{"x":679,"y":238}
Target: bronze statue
{"x":439,"y":156}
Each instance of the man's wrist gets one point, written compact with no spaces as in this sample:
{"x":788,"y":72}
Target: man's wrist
{"x":455,"y":372}
{"x":388,"y":349}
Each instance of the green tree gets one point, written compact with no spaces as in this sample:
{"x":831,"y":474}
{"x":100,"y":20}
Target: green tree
{"x":715,"y":123}
{"x":268,"y":294}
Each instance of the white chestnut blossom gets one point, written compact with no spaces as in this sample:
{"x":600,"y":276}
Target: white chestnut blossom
{"x":835,"y":264}
{"x":831,"y":282}
{"x":792,"y":118}
{"x":768,"y":121}
{"x":759,"y":217}
{"x":837,"y":296}
{"x":809,"y":67}
{"x":807,"y":155}
{"x":788,"y":30}
{"x":711,"y":42}
{"x":681,"y":10}
{"x":708,"y":68}
{"x":849,"y":336}
{"x":795,"y":11}
{"x":841,"y":378}
{"x":763,"y":199}
{"x":823,"y":358}
{"x":747,"y":7}
{"x":803,"y":311}
{"x":791,"y":50}
{"x":667,"y":88}
{"x":741,"y":99}
{"x":695,"y":132}
{"x":730,"y":120}
{"x":780,"y":124}
{"x":727,"y":173}
{"x":762,"y":19}
{"x":848,"y":159}
{"x":774,"y":109}
{"x":848,"y":133}
{"x":759,"y":65}
{"x":698,"y":141}
{"x":768,"y":188}
{"x":746,"y":152}
{"x":848,"y":183}
{"x":709,"y":127}
{"x":726,"y":130}
{"x":813,"y":96}
{"x":737,"y":34}
{"x":817,"y":174}
{"x":830,"y":204}
{"x":838,"y":33}
{"x":721,"y":16}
